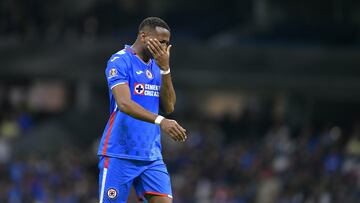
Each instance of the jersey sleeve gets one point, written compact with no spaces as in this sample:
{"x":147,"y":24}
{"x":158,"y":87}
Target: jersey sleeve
{"x":116,"y":72}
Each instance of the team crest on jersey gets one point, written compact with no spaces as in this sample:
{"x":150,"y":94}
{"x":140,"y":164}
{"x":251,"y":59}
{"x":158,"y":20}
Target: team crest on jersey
{"x":112,"y":193}
{"x":112,"y":72}
{"x":139,"y":88}
{"x":149,"y":74}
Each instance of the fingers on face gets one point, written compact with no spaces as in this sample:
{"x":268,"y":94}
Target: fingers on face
{"x":152,"y":49}
{"x":159,"y":45}
{"x":156,"y":45}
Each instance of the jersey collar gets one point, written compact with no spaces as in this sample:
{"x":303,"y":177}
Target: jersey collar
{"x":129,"y":49}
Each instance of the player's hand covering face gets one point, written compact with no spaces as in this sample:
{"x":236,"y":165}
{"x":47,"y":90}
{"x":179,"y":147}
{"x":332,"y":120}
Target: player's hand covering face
{"x":160,"y":52}
{"x":158,"y":46}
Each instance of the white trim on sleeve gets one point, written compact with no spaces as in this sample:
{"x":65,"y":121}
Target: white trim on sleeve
{"x":120,"y":83}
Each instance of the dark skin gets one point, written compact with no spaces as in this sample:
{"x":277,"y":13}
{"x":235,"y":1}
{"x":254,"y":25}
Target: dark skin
{"x":153,"y":43}
{"x":158,"y":199}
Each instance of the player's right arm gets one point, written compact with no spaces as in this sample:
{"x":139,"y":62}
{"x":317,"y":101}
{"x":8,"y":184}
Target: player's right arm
{"x":117,"y":78}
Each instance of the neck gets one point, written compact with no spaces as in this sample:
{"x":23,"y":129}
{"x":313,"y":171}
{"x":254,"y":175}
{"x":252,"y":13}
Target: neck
{"x":140,"y":52}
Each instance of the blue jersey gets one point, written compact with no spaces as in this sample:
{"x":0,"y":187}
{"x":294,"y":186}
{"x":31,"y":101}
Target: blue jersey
{"x":125,"y":136}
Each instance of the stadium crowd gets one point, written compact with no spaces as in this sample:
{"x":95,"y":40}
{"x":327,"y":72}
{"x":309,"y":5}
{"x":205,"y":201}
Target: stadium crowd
{"x":224,"y":161}
{"x":244,"y":21}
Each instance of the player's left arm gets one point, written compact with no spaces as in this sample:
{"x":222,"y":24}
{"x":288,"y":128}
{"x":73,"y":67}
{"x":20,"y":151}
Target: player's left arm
{"x":167,"y":92}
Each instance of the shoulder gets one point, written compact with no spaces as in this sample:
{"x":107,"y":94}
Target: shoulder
{"x":118,"y":62}
{"x":120,"y":57}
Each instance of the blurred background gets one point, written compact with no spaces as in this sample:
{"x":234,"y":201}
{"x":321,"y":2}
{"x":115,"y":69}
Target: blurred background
{"x":269,"y":91}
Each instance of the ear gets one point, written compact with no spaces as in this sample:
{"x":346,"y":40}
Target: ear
{"x":142,"y":37}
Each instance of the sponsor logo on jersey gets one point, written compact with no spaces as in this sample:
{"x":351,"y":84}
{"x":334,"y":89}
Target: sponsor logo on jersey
{"x":139,"y":72}
{"x":146,"y":89}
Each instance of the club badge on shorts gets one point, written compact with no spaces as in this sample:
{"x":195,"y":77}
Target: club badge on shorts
{"x":112,"y":193}
{"x":149,"y":74}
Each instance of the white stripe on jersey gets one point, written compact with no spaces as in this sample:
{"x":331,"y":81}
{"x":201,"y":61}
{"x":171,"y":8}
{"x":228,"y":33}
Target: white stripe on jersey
{"x":121,"y":52}
{"x":113,"y":59}
{"x":120,"y":83}
{"x":103,"y":185}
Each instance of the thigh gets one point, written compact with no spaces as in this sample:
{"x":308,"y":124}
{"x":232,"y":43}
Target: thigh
{"x":115,"y":179}
{"x":154,"y":183}
{"x":158,"y":199}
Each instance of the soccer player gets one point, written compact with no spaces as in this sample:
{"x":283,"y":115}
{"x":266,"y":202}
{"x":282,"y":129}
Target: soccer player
{"x":139,"y":82}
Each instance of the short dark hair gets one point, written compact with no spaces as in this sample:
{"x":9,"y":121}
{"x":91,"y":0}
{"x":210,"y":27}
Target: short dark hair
{"x":152,"y":23}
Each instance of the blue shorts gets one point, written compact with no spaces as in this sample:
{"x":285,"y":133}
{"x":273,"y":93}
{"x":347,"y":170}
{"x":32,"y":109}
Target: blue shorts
{"x":118,"y":175}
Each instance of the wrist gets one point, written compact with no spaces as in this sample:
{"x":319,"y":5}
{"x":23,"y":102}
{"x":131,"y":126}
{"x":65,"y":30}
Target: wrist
{"x":158,"y":119}
{"x":164,"y":72}
{"x":164,"y":68}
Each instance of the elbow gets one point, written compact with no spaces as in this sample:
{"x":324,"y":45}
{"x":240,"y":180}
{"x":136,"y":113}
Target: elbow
{"x":124,"y":106}
{"x":169,"y":109}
